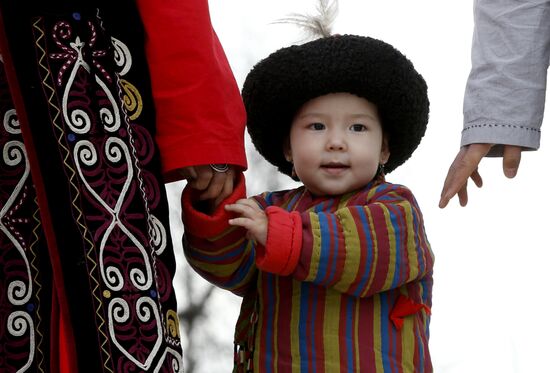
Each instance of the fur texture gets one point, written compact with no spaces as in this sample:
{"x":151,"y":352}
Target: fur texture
{"x":280,"y":84}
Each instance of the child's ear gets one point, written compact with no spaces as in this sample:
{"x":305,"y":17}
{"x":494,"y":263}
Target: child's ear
{"x":385,"y":151}
{"x":287,"y":151}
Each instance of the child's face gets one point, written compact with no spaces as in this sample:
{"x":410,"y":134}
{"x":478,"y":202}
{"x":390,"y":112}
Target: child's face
{"x":336,"y":143}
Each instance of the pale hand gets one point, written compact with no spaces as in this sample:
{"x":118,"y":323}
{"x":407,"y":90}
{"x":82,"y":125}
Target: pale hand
{"x":465,"y":166}
{"x":252,"y":218}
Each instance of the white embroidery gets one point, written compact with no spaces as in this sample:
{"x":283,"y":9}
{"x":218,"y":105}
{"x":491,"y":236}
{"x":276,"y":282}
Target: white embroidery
{"x":19,"y":292}
{"x":119,"y":312}
{"x":19,"y":323}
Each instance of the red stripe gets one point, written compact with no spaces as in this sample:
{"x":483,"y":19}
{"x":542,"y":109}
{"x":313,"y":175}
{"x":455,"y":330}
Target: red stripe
{"x":365,"y":344}
{"x":342,"y":336}
{"x":262,"y":327}
{"x":303,"y":268}
{"x":379,"y":233}
{"x":320,"y":295}
{"x":354,"y":287}
{"x":284,"y":361}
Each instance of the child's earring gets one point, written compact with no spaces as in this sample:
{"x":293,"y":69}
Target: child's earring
{"x":380,"y":171}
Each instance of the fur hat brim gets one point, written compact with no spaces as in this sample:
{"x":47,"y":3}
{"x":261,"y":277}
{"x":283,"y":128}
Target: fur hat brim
{"x":279,"y":85}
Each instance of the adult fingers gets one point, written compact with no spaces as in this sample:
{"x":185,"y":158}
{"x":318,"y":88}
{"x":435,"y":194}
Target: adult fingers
{"x":476,"y":177}
{"x":203,"y":176}
{"x":462,"y":168}
{"x":214,"y":188}
{"x":227,"y":187}
{"x":510,"y":160}
{"x":188,"y":173}
{"x":184,"y":173}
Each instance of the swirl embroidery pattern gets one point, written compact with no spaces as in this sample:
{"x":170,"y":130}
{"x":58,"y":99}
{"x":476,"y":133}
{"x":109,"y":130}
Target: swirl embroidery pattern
{"x":106,"y":153}
{"x":15,"y":252}
{"x":22,"y":326}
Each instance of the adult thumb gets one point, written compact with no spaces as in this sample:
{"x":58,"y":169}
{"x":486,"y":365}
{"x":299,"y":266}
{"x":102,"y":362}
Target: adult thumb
{"x":511,"y":159}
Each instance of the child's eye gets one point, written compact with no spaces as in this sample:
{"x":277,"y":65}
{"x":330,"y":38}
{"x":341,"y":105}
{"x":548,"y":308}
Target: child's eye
{"x":358,"y":127}
{"x":317,"y":126}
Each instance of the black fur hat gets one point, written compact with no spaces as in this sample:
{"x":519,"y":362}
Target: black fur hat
{"x":279,"y":85}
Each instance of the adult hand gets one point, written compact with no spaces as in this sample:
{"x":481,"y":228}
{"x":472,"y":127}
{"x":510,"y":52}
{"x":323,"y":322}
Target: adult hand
{"x":465,"y":166}
{"x":215,"y":186}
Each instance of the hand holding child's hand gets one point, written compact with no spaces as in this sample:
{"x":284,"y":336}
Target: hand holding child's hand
{"x":252,"y":218}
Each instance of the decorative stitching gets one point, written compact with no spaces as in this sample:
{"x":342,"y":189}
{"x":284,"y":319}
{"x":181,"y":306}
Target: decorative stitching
{"x":490,"y":125}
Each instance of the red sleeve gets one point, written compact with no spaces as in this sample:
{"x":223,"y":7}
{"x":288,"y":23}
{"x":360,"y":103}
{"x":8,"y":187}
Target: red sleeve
{"x":205,"y":225}
{"x":200,"y":114}
{"x":284,"y":241}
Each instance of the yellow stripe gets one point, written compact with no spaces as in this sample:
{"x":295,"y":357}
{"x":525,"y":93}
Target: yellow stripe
{"x":353,"y":253}
{"x":331,"y":330}
{"x":408,"y":343}
{"x":295,"y":326}
{"x":356,"y":335}
{"x":316,"y":250}
{"x":392,"y":250}
{"x":344,"y":200}
{"x":220,"y":270}
{"x":408,"y":340}
{"x":374,"y":255}
{"x":411,"y":246}
{"x":376,"y":333}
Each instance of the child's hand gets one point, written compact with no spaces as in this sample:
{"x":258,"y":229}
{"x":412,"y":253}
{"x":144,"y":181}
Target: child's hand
{"x":252,"y":218}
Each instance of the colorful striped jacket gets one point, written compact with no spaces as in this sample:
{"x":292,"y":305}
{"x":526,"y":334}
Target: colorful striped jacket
{"x":343,"y":283}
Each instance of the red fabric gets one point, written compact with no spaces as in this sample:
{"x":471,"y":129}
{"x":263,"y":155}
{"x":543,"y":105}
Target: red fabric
{"x":64,"y":355}
{"x":62,"y":351}
{"x":200,"y":114}
{"x":405,"y":306}
{"x":284,"y":242}
{"x":207,"y":225}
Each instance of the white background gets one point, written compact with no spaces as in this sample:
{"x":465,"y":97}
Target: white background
{"x":490,"y":299}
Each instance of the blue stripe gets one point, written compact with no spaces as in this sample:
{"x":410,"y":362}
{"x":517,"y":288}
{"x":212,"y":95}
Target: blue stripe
{"x":313,"y":313}
{"x":268,"y":198}
{"x":417,"y":232}
{"x":214,"y":259}
{"x":384,"y":332}
{"x":349,"y":333}
{"x":304,"y":311}
{"x":325,"y":247}
{"x":394,"y":218}
{"x":420,"y":351}
{"x":369,"y":246}
{"x":294,"y":199}
{"x":243,"y":271}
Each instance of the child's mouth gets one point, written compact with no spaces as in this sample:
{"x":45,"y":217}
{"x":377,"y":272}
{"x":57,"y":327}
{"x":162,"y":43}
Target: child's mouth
{"x":334,"y":168}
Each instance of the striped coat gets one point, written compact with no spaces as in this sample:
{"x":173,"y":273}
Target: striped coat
{"x":343,"y":284}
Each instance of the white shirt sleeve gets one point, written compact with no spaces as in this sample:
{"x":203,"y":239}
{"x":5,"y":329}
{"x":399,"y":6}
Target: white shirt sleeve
{"x":505,"y":92}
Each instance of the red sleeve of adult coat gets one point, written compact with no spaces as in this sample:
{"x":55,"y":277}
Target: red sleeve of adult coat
{"x":200,"y":114}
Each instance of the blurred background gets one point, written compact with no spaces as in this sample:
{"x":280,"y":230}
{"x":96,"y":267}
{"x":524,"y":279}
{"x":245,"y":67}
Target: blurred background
{"x":490,"y":302}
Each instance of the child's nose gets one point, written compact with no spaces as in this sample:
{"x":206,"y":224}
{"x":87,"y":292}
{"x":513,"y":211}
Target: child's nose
{"x":336,"y":143}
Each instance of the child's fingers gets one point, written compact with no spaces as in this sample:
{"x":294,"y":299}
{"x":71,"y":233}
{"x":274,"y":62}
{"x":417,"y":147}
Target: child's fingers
{"x":241,"y":222}
{"x":248,"y":202}
{"x":235,"y":208}
{"x":244,"y":207}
